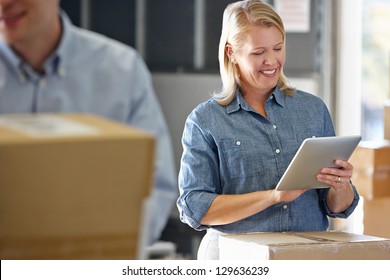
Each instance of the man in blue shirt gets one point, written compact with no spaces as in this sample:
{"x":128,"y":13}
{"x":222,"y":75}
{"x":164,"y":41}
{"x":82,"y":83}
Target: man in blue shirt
{"x":49,"y":65}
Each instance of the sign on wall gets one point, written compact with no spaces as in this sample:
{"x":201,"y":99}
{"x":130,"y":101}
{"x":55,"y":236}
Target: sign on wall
{"x":295,"y":14}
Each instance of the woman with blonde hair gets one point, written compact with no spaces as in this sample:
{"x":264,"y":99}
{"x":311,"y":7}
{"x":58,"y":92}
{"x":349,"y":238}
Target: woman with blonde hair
{"x":234,"y":33}
{"x":237,"y":145}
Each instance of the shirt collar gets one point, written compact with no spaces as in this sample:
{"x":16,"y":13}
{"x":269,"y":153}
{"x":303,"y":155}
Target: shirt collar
{"x":278,"y":95}
{"x":11,"y":59}
{"x":56,"y":63}
{"x":65,"y":47}
{"x":239,"y":102}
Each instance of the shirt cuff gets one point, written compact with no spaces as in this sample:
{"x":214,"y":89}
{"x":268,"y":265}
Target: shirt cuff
{"x":193,"y":208}
{"x":348,"y":211}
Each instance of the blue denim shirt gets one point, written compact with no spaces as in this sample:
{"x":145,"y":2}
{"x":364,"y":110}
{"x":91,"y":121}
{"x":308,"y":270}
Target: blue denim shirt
{"x":233,"y":150}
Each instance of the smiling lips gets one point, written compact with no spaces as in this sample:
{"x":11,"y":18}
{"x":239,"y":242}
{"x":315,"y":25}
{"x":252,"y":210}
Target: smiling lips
{"x":10,"y":19}
{"x":269,"y":72}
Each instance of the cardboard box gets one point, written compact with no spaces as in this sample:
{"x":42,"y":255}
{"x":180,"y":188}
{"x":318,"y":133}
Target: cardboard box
{"x":72,"y":187}
{"x":387,"y":120}
{"x":371,"y":162}
{"x":303,"y":246}
{"x":376,"y":217}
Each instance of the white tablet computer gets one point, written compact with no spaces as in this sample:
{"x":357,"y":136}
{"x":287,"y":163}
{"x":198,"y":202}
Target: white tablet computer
{"x":314,"y":154}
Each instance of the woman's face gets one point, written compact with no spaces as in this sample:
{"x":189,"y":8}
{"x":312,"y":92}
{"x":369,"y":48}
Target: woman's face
{"x":261,"y":59}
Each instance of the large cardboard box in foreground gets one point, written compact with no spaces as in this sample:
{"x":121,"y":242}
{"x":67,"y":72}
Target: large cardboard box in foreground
{"x":303,"y":246}
{"x":72,"y":187}
{"x":371,"y":162}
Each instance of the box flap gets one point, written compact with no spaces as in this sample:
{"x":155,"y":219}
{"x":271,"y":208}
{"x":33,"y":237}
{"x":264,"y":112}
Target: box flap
{"x":21,"y":128}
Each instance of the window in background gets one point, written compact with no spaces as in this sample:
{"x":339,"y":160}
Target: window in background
{"x":183,"y":35}
{"x":169,"y":35}
{"x":375,"y":66}
{"x":72,"y":9}
{"x":114,"y":18}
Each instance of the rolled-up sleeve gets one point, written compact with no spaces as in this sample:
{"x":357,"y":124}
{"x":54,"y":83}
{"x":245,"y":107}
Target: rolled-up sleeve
{"x":199,"y":178}
{"x":342,"y":215}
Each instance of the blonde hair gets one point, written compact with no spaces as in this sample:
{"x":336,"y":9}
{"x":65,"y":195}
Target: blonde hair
{"x":238,"y":17}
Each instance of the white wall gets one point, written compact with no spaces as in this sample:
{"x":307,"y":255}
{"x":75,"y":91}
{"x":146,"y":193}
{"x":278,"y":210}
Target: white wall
{"x":348,"y":67}
{"x":178,"y":95}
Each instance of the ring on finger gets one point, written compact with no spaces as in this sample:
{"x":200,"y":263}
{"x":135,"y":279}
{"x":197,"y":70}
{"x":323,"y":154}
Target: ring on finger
{"x":338,"y":180}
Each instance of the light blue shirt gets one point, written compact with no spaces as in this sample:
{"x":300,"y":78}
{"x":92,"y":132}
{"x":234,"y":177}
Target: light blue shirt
{"x":233,"y":150}
{"x":90,"y":73}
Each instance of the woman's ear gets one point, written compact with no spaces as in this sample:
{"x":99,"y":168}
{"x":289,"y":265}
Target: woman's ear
{"x":230,"y":53}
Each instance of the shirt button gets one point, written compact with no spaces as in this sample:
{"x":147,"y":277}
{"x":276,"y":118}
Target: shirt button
{"x":277,"y":151}
{"x":285,"y":207}
{"x":22,"y":78}
{"x":238,"y":143}
{"x":42,"y":83}
{"x":62,"y":72}
{"x":274,"y":126}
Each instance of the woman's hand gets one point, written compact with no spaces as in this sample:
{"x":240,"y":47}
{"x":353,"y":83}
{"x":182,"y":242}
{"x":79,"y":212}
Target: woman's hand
{"x":340,"y":195}
{"x":337,"y":178}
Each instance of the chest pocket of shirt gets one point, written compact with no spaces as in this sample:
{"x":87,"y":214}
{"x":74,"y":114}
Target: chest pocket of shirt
{"x":240,"y":158}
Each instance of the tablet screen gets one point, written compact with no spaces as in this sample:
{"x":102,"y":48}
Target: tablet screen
{"x":314,"y":154}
